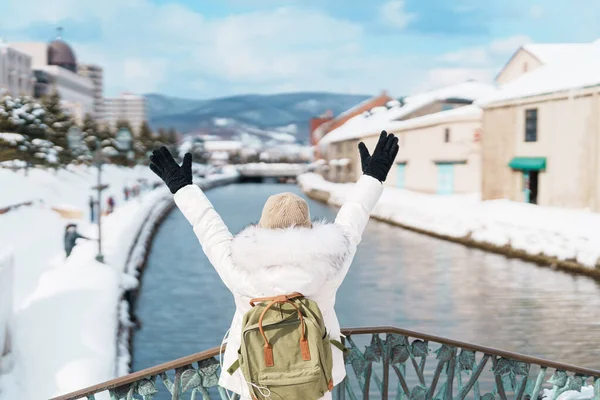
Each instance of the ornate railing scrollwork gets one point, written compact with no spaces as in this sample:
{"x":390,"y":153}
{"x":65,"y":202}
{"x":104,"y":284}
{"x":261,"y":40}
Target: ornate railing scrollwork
{"x":382,"y":363}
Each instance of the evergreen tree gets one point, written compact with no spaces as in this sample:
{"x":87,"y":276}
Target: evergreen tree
{"x":172,"y":136}
{"x":172,"y":140}
{"x":24,"y":117}
{"x":162,"y":136}
{"x":146,"y":137}
{"x":144,"y":142}
{"x":59,"y":122}
{"x":90,"y":132}
{"x":122,"y":123}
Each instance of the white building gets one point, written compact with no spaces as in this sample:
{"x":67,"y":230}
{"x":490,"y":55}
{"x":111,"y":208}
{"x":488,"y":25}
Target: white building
{"x":55,"y":68}
{"x":16,"y":75}
{"x":127,"y":107}
{"x":535,"y":55}
{"x":96,"y":74}
{"x":438,"y":134}
{"x":541,"y":141}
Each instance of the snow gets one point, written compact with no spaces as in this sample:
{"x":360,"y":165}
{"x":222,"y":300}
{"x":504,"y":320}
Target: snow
{"x":356,"y":107}
{"x":12,"y":138}
{"x":470,"y":112}
{"x":556,"y":52}
{"x":553,"y":232}
{"x":290,"y":128}
{"x":587,"y":393}
{"x":371,"y":123}
{"x":6,"y":279}
{"x":222,"y":145}
{"x":283,"y":137}
{"x":272,"y":167}
{"x":341,"y":162}
{"x":67,"y":311}
{"x":67,"y":186}
{"x":222,"y":121}
{"x":569,"y":72}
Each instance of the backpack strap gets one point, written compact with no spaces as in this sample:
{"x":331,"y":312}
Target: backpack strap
{"x":339,"y":346}
{"x":292,"y":296}
{"x":234,"y":367}
{"x":268,"y":349}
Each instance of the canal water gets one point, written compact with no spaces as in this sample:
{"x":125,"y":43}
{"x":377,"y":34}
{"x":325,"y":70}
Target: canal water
{"x":398,"y":278}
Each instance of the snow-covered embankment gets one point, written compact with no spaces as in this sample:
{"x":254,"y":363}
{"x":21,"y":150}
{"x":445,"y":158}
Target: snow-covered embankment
{"x":68,"y":313}
{"x":567,"y":239}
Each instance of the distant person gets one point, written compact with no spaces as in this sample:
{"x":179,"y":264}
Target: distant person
{"x":111,"y":204}
{"x":126,"y":193}
{"x":92,"y":204}
{"x":287,"y":264}
{"x":71,"y":236}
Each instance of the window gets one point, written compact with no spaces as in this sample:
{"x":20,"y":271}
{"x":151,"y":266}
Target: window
{"x":531,"y":125}
{"x":349,"y":147}
{"x":447,"y":135}
{"x":447,"y":106}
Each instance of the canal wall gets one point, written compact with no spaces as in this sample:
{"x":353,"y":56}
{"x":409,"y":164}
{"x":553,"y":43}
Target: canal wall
{"x":136,"y":264}
{"x":392,"y":209}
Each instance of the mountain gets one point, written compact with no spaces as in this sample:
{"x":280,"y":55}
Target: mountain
{"x":260,"y":115}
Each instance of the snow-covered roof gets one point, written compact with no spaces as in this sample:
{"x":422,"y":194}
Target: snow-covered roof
{"x":465,"y":113}
{"x":220,"y":155}
{"x":559,"y":76}
{"x":222,"y":145}
{"x":366,"y":124}
{"x":555,"y":52}
{"x":357,"y":107}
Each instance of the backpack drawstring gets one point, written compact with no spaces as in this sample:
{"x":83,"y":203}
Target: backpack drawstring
{"x":221,"y":358}
{"x":260,"y":389}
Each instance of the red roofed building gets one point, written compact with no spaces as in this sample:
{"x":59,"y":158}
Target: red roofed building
{"x":321,"y":126}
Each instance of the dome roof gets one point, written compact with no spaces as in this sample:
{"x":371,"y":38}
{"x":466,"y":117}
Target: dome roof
{"x":61,"y":54}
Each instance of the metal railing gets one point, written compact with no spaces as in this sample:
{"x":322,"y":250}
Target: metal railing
{"x":391,"y":364}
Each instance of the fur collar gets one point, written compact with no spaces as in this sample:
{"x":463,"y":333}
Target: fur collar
{"x":324,"y":248}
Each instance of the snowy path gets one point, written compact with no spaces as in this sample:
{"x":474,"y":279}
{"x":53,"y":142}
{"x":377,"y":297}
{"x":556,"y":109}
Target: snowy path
{"x":66,"y":310}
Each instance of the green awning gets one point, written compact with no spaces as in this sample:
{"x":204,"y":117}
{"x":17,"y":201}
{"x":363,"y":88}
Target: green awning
{"x":528,"y":163}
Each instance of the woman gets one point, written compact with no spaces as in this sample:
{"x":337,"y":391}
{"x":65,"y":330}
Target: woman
{"x":286,"y":252}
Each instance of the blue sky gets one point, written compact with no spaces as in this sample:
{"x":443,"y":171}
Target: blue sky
{"x":213,"y":48}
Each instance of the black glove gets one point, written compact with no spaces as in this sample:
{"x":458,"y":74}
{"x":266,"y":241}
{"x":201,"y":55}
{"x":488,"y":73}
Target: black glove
{"x":378,"y":165}
{"x":163,"y":164}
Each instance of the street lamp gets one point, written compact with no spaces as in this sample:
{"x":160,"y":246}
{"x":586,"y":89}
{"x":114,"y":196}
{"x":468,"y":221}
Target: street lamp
{"x":99,"y":159}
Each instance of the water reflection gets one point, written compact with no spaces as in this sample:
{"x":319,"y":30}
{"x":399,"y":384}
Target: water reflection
{"x":398,"y":278}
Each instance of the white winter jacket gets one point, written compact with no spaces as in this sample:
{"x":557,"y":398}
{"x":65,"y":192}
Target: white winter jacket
{"x":264,"y":262}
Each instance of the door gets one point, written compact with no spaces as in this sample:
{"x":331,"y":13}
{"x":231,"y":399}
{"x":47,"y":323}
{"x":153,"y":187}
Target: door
{"x":445,"y":179}
{"x":530,"y":186}
{"x":400,"y":174}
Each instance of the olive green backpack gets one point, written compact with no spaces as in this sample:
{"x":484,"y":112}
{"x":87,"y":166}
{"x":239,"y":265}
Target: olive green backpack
{"x":285,"y":350}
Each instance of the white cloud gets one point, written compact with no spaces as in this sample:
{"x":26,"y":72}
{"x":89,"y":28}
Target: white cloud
{"x":394,"y":14}
{"x":536,"y":11}
{"x":472,"y":55}
{"x":170,"y":48}
{"x":508,"y":45}
{"x":487,"y":54}
{"x":438,"y":77}
{"x":146,"y":47}
{"x":481,"y":63}
{"x":144,"y":75}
